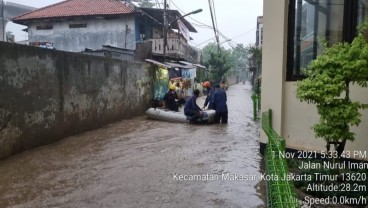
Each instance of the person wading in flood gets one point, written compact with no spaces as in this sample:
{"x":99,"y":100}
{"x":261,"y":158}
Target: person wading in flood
{"x":210,"y":92}
{"x":219,"y":104}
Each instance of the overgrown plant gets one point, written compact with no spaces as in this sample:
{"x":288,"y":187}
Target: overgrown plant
{"x":328,"y":82}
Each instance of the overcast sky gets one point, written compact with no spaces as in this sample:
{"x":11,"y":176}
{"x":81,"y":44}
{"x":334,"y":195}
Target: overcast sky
{"x":236,"y":19}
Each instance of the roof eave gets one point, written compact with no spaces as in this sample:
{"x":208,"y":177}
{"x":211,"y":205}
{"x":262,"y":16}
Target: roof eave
{"x":28,"y":20}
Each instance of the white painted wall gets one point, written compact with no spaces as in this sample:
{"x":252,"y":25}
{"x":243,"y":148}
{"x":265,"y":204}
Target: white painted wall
{"x":274,"y":60}
{"x":299,"y":117}
{"x":97,"y":33}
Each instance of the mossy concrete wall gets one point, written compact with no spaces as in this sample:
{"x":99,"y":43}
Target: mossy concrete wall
{"x":46,"y":95}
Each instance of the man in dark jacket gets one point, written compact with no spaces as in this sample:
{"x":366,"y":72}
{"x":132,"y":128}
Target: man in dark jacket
{"x":209,"y":98}
{"x":169,"y":99}
{"x":191,"y":108}
{"x":219,"y":104}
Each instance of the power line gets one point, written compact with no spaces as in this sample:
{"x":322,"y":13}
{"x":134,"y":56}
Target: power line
{"x":214,"y":12}
{"x":205,"y":41}
{"x":143,"y":13}
{"x":203,"y":25}
{"x":200,"y":23}
{"x":244,"y":33}
{"x":158,"y":4}
{"x":213,"y":23}
{"x":230,"y":39}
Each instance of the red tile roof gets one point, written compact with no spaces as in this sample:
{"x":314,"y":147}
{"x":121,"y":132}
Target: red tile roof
{"x":73,"y":8}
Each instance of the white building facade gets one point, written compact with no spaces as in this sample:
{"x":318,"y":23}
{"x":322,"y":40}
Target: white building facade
{"x":74,"y":35}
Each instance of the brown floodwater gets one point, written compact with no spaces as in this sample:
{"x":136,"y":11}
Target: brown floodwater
{"x":139,"y":163}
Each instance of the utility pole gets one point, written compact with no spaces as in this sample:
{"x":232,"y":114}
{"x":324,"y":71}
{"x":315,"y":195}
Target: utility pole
{"x":3,"y":20}
{"x":165,"y":29}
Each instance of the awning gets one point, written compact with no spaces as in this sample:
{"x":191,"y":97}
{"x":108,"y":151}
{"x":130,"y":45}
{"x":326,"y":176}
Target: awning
{"x":192,"y":65}
{"x":186,"y":63}
{"x":177,"y":65}
{"x":181,"y":64}
{"x":200,"y":66}
{"x":158,"y":63}
{"x":176,"y":78}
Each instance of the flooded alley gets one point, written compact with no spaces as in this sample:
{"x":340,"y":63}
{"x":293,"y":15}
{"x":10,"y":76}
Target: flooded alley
{"x":144,"y":163}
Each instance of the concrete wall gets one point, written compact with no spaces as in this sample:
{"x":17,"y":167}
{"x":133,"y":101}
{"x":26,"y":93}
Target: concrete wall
{"x":116,"y":32}
{"x":293,"y":119}
{"x":274,"y":60}
{"x":52,"y":94}
{"x":299,"y":117}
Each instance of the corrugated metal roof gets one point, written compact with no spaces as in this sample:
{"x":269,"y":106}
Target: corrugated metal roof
{"x":190,"y":64}
{"x":178,"y":65}
{"x":169,"y":65}
{"x":73,"y":8}
{"x":158,"y":63}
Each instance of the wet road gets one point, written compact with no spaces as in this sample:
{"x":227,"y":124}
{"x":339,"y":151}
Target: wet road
{"x":144,"y":163}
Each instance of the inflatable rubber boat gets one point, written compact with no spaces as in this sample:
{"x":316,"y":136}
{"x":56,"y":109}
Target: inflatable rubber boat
{"x":178,"y":117}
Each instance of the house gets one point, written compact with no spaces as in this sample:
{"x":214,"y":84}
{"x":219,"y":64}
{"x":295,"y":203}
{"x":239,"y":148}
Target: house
{"x":290,"y":41}
{"x":116,"y":29}
{"x":8,"y":11}
{"x":76,"y":25}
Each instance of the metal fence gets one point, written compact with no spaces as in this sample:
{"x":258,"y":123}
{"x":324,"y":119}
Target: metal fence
{"x":280,"y":190}
{"x":256,"y":105}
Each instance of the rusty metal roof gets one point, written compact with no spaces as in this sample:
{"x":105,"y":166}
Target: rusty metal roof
{"x":74,"y":8}
{"x":79,"y":8}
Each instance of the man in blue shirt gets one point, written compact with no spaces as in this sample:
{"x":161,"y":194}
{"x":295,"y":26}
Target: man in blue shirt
{"x":191,"y":108}
{"x":219,"y":104}
{"x":210,"y":92}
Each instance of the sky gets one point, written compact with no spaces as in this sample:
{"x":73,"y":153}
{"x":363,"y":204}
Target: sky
{"x":236,"y":19}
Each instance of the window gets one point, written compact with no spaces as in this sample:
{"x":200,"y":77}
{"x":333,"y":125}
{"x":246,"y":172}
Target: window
{"x":44,"y":27}
{"x":311,"y":21}
{"x":77,"y":25}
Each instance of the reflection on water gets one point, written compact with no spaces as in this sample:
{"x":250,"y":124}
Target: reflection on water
{"x":132,"y":163}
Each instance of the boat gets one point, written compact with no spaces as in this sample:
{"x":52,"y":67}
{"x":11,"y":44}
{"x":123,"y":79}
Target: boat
{"x":178,"y":117}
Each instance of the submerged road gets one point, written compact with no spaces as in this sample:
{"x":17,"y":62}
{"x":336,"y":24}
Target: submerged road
{"x":139,"y":162}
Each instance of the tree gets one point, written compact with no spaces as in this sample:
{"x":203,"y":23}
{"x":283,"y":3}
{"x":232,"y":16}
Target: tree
{"x":202,"y":75}
{"x":146,"y":4}
{"x":220,"y":62}
{"x":207,"y":51}
{"x":254,"y":62}
{"x":328,"y":83}
{"x":239,"y":55}
{"x":217,"y":61}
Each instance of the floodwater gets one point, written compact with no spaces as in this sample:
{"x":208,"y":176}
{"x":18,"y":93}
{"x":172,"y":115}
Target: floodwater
{"x":144,"y":163}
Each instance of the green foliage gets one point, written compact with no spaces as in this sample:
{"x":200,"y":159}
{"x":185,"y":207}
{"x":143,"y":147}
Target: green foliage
{"x":329,"y":79}
{"x":217,"y":61}
{"x":239,"y":55}
{"x":207,"y":51}
{"x":255,"y":56}
{"x":146,"y":4}
{"x":235,"y":61}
